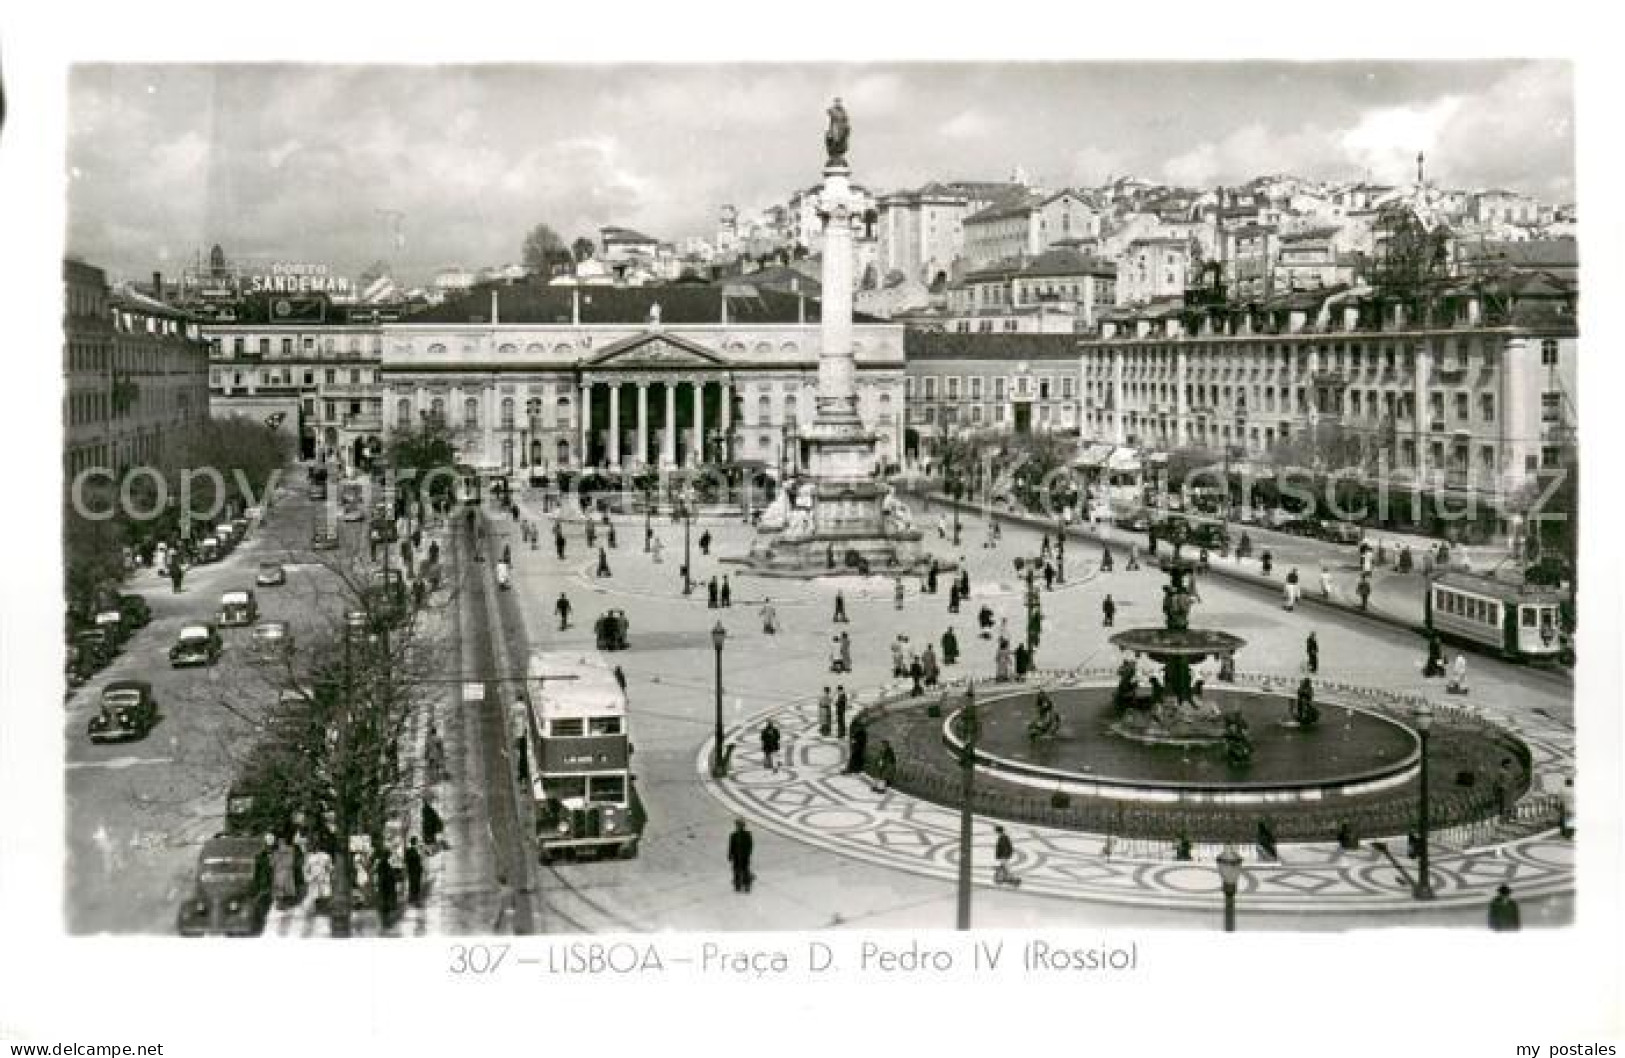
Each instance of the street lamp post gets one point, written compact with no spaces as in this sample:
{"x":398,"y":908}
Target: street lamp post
{"x":718,"y":770}
{"x":648,"y":517}
{"x":967,"y":774}
{"x":1423,"y":889}
{"x":1229,"y":877}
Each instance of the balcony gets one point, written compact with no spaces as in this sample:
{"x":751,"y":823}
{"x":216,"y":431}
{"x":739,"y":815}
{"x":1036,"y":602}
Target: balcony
{"x":1450,"y":375}
{"x":371,"y":422}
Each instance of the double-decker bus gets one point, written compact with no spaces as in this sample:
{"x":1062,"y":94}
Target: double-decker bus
{"x":581,"y":752}
{"x":1516,"y":620}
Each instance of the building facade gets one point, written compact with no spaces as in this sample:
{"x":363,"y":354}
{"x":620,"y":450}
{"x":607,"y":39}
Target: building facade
{"x":1060,"y":290}
{"x":965,"y":383}
{"x":1153,"y":268}
{"x":921,"y":232}
{"x":1025,"y":226}
{"x":1476,"y":399}
{"x":136,"y":375}
{"x":552,"y":378}
{"x":326,"y":372}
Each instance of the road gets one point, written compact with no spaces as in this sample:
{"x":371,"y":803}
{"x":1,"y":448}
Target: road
{"x":136,"y":813}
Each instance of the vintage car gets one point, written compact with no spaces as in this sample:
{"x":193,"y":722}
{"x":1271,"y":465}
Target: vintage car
{"x":137,"y":613}
{"x":231,"y":895}
{"x":239,"y":529}
{"x":127,"y":712}
{"x":270,"y":573}
{"x":1209,"y":536}
{"x":238,"y":609}
{"x":1341,"y":532}
{"x":209,"y":550}
{"x":323,"y":539}
{"x":226,"y":533}
{"x":113,"y":624}
{"x":610,"y":630}
{"x":97,"y":644}
{"x":198,"y":644}
{"x":271,"y":640}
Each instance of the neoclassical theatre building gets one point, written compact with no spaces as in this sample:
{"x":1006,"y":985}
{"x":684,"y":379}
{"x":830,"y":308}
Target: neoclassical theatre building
{"x":555,"y":377}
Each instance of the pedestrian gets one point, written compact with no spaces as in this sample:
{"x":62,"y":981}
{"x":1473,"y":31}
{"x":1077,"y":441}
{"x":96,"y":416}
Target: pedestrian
{"x":1504,"y":916}
{"x":942,"y":527}
{"x":1108,"y":611}
{"x":1266,"y":562}
{"x":558,"y":542}
{"x":1003,"y":664}
{"x":840,"y":710}
{"x":610,"y":528}
{"x":826,"y":709}
{"x":431,"y":825}
{"x":434,"y":755}
{"x":859,"y":747}
{"x":770,"y":746}
{"x":1049,"y":577}
{"x":727,"y":595}
{"x":899,"y":667}
{"x":740,"y":846}
{"x":1565,"y":824}
{"x":620,"y":679}
{"x":885,"y":767}
{"x":1458,"y":675}
{"x":1434,"y":666}
{"x":387,"y":893}
{"x":964,"y":579}
{"x":414,"y":872}
{"x":1004,"y":629}
{"x":603,"y":564}
{"x":705,"y":542}
{"x":953,"y":597}
{"x":1363,"y":590}
{"x":1291,"y":589}
{"x":897,"y":593}
{"x":284,"y":881}
{"x":562,"y":608}
{"x":1024,"y":661}
{"x":1325,"y":583}
{"x":770,"y":618}
{"x":846,"y":652}
{"x":176,"y":574}
{"x":1266,"y":840}
{"x":711,"y":594}
{"x":1105,"y":560}
{"x":1312,"y":648}
{"x":1003,"y":852}
{"x":928,"y":665}
{"x":950,"y":647}
{"x":519,"y":729}
{"x":434,"y":552}
{"x":840,"y":608}
{"x":1133,"y":559}
{"x":916,"y":672}
{"x":319,"y":877}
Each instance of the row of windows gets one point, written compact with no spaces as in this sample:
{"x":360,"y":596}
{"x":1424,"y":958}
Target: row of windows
{"x":285,"y":377}
{"x":973,"y":387}
{"x":130,"y":357}
{"x":1483,"y":611}
{"x":306,"y":344}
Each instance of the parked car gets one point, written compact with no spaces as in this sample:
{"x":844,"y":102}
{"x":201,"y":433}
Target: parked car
{"x":210,"y":550}
{"x":1174,"y":529}
{"x":271,"y":640}
{"x":238,"y":609}
{"x":230,"y":896}
{"x":111,"y":622}
{"x":1135,"y":521}
{"x":1341,"y":532}
{"x":270,"y":573}
{"x":1209,"y":535}
{"x":227,"y":535}
{"x":198,"y":644}
{"x":1309,"y":527}
{"x":239,"y":529}
{"x":137,"y":613}
{"x":127,"y":712}
{"x":324,"y":539}
{"x":98,"y":646}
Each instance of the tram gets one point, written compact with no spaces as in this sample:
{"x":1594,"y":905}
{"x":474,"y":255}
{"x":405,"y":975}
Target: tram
{"x":587,"y":804}
{"x":1518,"y":621}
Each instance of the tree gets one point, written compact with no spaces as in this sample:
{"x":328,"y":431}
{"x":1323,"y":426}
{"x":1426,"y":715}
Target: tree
{"x":426,"y":451}
{"x":583,"y":248}
{"x":542,"y":250}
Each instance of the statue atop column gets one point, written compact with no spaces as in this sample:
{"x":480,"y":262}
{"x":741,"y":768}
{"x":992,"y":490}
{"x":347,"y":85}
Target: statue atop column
{"x":838,"y":135}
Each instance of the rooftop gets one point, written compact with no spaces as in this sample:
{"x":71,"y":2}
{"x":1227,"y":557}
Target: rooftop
{"x":679,"y":304}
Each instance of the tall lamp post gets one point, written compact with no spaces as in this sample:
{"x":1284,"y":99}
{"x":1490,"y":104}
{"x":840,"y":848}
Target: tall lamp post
{"x":1423,"y":889}
{"x":967,"y":774}
{"x":718,"y":636}
{"x":687,"y":515}
{"x":1229,"y":877}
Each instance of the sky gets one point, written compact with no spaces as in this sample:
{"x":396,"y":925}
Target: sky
{"x":327,"y":163}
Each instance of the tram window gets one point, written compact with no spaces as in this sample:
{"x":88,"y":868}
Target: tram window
{"x":566,"y":787}
{"x":604,"y":725}
{"x":608,"y":788}
{"x":566,"y":727}
{"x":1528,"y":617}
{"x":1547,"y":616}
{"x":1495,"y":613}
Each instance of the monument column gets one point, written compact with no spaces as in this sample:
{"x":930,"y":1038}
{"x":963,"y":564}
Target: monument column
{"x":727,"y":418}
{"x":615,"y":424}
{"x":668,"y":435}
{"x":837,"y":396}
{"x":643,"y":423}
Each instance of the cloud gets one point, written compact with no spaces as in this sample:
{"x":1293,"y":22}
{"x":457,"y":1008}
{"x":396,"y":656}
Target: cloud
{"x":968,"y":124}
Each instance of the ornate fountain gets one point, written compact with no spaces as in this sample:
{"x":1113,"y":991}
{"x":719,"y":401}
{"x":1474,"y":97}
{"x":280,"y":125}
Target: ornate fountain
{"x":1169,"y":707}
